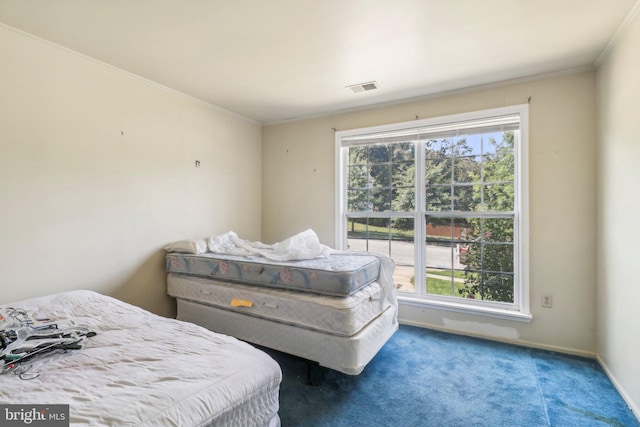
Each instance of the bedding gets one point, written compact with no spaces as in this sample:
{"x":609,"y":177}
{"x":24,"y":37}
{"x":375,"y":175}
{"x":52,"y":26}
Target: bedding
{"x":187,"y":246}
{"x":338,"y":274}
{"x":143,"y":369}
{"x":305,"y":245}
{"x":342,"y":316}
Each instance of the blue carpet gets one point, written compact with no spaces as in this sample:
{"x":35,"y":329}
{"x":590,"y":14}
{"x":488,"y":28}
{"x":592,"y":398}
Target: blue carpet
{"x":423,"y":377}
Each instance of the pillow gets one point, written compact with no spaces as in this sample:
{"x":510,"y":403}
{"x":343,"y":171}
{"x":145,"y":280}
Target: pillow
{"x":187,"y":246}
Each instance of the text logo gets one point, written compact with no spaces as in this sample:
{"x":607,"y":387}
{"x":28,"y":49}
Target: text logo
{"x":34,"y":415}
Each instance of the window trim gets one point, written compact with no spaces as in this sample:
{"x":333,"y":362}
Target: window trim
{"x":520,"y":311}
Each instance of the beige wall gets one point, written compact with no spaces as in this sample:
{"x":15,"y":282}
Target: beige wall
{"x":298,"y":192}
{"x":618,"y":205}
{"x":97,"y":173}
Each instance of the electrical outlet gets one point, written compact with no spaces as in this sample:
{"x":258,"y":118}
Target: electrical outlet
{"x":547,"y":301}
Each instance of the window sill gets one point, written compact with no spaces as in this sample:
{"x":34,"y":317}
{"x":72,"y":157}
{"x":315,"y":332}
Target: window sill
{"x":467,"y":309}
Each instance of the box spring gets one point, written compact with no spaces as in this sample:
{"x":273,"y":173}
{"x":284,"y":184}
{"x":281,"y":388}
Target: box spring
{"x":329,"y":314}
{"x":345,"y":354}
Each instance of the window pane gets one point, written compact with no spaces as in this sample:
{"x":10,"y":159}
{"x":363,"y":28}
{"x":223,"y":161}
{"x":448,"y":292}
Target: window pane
{"x":498,"y":229}
{"x":467,"y":169}
{"x":380,"y":175}
{"x":437,"y":148}
{"x":379,"y":153}
{"x":391,"y":237}
{"x":499,"y":142}
{"x":499,"y":197}
{"x":438,"y":171}
{"x":497,"y":287}
{"x":403,"y":174}
{"x":498,"y":258}
{"x":403,"y":199}
{"x":380,"y":200}
{"x":469,"y":256}
{"x":462,"y":148}
{"x":465,"y":198}
{"x":357,"y":234}
{"x":357,"y":177}
{"x":499,"y":166}
{"x":474,"y":144}
{"x":357,"y":200}
{"x":404,"y":152}
{"x":440,"y":282}
{"x":440,"y":256}
{"x":358,"y":155}
{"x":438,"y":198}
{"x":470,"y":287}
{"x":402,"y":252}
{"x":443,"y":242}
{"x":368,"y":234}
{"x":439,"y":230}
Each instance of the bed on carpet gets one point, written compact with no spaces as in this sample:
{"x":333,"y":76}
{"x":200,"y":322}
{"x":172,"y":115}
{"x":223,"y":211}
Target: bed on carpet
{"x":336,"y":309}
{"x":143,"y":369}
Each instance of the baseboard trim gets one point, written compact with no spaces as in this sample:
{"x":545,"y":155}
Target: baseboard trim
{"x":522,"y":343}
{"x":618,"y":386}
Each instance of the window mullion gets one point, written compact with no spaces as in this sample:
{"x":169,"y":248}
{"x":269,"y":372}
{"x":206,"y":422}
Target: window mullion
{"x":420,"y":233}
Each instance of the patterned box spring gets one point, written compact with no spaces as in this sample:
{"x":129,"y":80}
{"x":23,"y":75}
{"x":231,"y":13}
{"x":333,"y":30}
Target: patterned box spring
{"x":343,"y":316}
{"x":337,"y":274}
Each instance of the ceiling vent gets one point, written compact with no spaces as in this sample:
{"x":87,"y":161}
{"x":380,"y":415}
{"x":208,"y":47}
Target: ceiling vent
{"x":363,"y":87}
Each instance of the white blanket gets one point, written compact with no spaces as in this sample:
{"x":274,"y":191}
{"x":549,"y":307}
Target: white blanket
{"x":146,"y":370}
{"x":305,"y":245}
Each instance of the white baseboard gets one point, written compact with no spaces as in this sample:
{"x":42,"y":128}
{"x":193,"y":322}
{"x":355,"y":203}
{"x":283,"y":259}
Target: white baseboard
{"x":634,"y":408}
{"x":519,"y":342}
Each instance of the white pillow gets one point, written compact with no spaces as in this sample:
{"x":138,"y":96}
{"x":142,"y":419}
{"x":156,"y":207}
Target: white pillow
{"x":187,"y":246}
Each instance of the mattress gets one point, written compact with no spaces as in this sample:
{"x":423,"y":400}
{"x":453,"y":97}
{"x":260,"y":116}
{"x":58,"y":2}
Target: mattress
{"x":328,"y":314}
{"x":145,"y":370}
{"x":338,"y":274}
{"x":349,"y":355}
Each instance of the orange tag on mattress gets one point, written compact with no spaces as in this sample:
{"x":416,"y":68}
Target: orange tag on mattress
{"x":241,"y":303}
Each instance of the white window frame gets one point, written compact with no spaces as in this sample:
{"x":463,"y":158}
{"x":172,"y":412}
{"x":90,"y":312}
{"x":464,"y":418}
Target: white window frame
{"x":520,"y":309}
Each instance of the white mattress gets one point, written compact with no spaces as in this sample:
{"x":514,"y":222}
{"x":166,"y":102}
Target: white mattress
{"x":329,"y":314}
{"x":345,"y":354}
{"x":145,"y":370}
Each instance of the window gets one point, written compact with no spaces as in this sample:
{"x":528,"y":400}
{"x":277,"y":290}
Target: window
{"x":445,"y":198}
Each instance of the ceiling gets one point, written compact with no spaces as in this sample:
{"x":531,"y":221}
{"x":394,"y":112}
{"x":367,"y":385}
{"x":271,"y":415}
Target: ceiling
{"x":279,"y":60}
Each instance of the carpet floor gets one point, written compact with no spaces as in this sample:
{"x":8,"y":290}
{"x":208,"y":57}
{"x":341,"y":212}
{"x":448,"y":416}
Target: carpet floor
{"x":423,"y":377}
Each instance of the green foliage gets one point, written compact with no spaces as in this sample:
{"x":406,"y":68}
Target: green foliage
{"x":489,"y":259}
{"x":461,"y":175}
{"x":381,"y":179}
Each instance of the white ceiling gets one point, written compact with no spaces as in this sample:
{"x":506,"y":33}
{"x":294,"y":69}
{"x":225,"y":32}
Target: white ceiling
{"x":275,"y":60}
